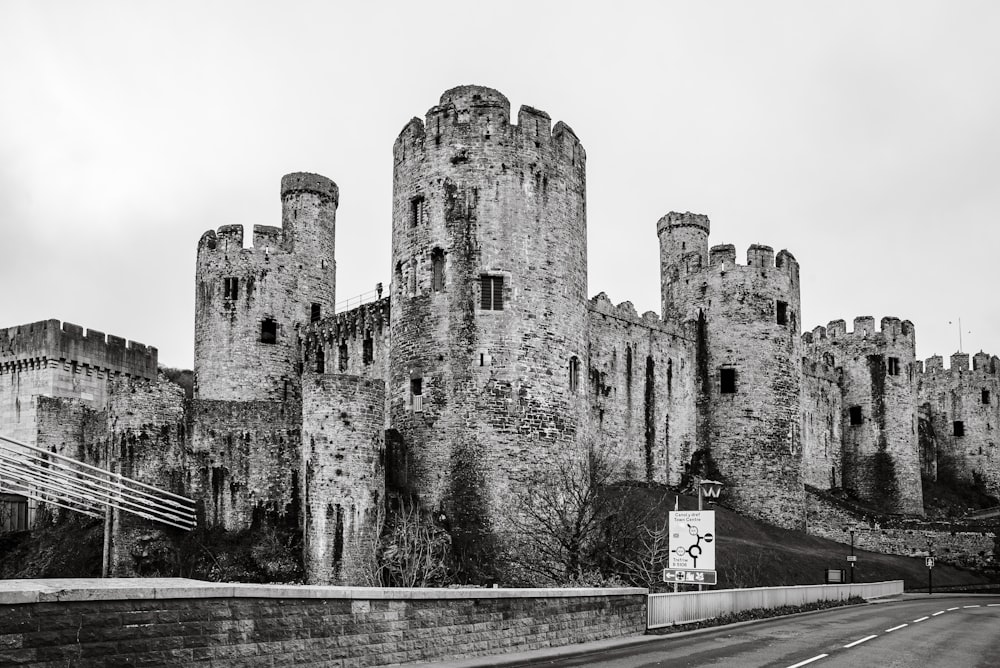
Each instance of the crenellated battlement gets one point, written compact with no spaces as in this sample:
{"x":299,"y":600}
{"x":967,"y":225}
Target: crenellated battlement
{"x":228,"y":239}
{"x":890,"y":329}
{"x":52,"y":340}
{"x":370,"y":317}
{"x":468,"y":115}
{"x":601,"y":304}
{"x":723,"y":256}
{"x":982,"y":364}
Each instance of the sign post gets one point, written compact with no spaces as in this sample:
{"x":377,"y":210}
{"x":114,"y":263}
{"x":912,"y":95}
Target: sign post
{"x":929,"y":561}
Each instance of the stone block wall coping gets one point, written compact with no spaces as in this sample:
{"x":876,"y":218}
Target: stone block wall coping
{"x":14,"y":592}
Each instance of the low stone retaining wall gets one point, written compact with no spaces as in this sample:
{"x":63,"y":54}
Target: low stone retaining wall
{"x":189,"y":622}
{"x":971,"y":549}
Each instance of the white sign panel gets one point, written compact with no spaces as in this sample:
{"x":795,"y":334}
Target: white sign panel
{"x":692,"y":540}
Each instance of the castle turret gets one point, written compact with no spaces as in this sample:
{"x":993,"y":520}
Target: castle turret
{"x":249,"y":300}
{"x":488,"y":325}
{"x":748,"y":364}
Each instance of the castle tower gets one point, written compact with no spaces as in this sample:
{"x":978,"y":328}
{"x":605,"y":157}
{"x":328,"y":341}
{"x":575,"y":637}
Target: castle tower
{"x":488,"y":308}
{"x":748,"y":365}
{"x":249,"y":300}
{"x":962,"y":414}
{"x":880,"y":455}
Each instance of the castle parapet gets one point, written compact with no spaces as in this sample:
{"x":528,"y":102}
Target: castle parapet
{"x":51,"y":340}
{"x":686,"y":219}
{"x":317,"y":184}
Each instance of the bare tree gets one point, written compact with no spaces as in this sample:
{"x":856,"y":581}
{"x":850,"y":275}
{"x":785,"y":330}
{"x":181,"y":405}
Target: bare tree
{"x":413,"y":551}
{"x":557,"y":523}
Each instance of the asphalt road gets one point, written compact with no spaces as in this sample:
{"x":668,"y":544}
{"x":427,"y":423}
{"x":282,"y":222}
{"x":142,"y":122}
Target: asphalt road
{"x":936,"y":631}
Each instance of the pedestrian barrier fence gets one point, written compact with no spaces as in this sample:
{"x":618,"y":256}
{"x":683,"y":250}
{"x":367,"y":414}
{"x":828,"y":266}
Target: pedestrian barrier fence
{"x":686,"y":607}
{"x":68,"y":483}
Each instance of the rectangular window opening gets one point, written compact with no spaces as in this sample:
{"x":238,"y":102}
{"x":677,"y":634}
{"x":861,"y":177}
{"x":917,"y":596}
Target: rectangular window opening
{"x":417,"y":394}
{"x":314,"y":312}
{"x":269,"y":330}
{"x":492,"y":293}
{"x":342,"y":356}
{"x":959,"y":428}
{"x":367,"y":350}
{"x":855,"y":412}
{"x":727,"y":380}
{"x":782,"y":313}
{"x":893,"y":366}
{"x":320,"y":361}
{"x":416,"y":211}
{"x":986,"y":396}
{"x":437,"y":270}
{"x":574,"y":373}
{"x":231,"y":288}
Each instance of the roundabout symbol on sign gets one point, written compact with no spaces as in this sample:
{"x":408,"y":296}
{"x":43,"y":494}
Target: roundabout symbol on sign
{"x":694,"y":550}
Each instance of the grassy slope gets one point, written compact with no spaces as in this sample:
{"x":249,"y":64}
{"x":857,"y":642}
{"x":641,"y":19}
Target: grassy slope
{"x":749,"y":551}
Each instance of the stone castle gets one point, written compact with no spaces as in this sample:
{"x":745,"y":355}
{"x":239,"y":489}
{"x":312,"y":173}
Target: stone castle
{"x":485,"y":365}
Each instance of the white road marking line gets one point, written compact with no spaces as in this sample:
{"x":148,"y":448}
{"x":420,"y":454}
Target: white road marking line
{"x":950,"y":609}
{"x":815,"y":658}
{"x":858,"y":642}
{"x":970,"y":606}
{"x":920,"y":620}
{"x":939,"y":612}
{"x":895,"y":628}
{"x":993,"y":605}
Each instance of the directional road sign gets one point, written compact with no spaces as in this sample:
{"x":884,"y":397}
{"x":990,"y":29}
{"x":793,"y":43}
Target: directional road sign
{"x":692,"y":540}
{"x":689,"y":577}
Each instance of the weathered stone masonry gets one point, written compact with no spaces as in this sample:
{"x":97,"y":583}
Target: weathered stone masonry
{"x":485,"y":367}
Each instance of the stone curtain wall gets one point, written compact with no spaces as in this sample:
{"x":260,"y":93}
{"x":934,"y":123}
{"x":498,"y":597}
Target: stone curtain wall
{"x":968,"y":548}
{"x":186,"y":622}
{"x":642,"y":392}
{"x":244,"y":460}
{"x":822,"y":410}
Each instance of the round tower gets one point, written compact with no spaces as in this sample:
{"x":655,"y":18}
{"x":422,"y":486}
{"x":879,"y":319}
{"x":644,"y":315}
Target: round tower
{"x":309,"y":221}
{"x":488,"y":319}
{"x":248,"y":301}
{"x":683,"y":247}
{"x":748,"y":365}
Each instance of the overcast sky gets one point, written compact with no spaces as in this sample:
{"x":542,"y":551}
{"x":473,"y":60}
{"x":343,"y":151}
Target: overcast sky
{"x":861,"y":136}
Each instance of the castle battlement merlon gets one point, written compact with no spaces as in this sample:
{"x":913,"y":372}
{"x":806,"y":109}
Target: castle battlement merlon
{"x":477,"y":113}
{"x":52,"y":340}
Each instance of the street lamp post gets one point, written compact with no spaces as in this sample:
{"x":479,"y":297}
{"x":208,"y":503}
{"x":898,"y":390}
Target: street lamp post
{"x":707,"y":489}
{"x":851,"y":559}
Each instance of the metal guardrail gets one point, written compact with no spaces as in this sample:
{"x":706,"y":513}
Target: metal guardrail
{"x":73,"y":485}
{"x":686,"y":607}
{"x":358,"y":300}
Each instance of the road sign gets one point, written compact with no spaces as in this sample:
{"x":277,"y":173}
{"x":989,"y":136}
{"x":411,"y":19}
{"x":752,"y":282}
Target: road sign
{"x":929,"y":561}
{"x":852,"y":557}
{"x":835,"y":576}
{"x":689,"y":576}
{"x":692,"y":540}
